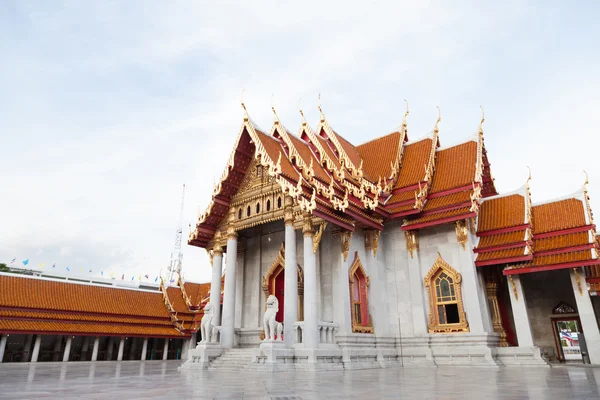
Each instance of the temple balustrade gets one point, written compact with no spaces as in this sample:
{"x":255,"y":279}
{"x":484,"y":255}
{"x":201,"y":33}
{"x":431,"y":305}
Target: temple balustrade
{"x":326,"y":332}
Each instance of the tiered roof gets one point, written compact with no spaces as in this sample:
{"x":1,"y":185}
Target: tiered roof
{"x":39,"y":305}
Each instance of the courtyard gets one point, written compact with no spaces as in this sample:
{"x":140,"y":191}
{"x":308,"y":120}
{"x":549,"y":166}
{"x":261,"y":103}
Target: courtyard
{"x":161,"y":380}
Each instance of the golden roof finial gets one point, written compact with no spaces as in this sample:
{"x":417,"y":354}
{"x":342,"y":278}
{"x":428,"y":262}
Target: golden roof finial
{"x":587,"y":180}
{"x":436,"y":129}
{"x":482,"y":121}
{"x":405,"y":114}
{"x":301,"y":112}
{"x":320,"y":110}
{"x":273,"y":108}
{"x":244,"y":107}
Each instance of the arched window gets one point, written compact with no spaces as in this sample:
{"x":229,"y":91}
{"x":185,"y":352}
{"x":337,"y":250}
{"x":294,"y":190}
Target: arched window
{"x":446,"y":312}
{"x":268,"y":205}
{"x":257,"y":208}
{"x":279,"y":202}
{"x":359,"y":298}
{"x":240,"y":213}
{"x":248,"y":211}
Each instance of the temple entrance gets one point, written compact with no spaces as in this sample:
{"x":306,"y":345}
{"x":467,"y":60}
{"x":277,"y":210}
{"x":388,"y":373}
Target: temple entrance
{"x":273,"y":283}
{"x":567,"y":333}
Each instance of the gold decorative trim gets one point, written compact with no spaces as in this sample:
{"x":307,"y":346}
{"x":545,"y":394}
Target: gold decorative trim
{"x":288,"y":211}
{"x":372,"y":240}
{"x":491,"y":289}
{"x":317,"y":237}
{"x":357,"y":265}
{"x":479,"y":161}
{"x":412,"y":242}
{"x":578,"y":280}
{"x":475,"y":197}
{"x":514,"y":287}
{"x":307,"y":225}
{"x":434,"y":326}
{"x":345,"y":237}
{"x":586,"y":198}
{"x":266,"y":279}
{"x":462,"y":233}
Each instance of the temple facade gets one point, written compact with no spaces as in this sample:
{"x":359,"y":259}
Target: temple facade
{"x":392,"y":252}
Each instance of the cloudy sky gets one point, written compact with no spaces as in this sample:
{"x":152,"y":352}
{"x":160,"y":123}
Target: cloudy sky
{"x":108,"y":107}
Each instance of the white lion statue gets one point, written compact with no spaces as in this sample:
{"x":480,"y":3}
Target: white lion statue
{"x":206,"y":323}
{"x":271,"y":326}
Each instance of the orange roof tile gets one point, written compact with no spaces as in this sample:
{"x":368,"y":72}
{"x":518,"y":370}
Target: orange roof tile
{"x":501,"y":212}
{"x":448,"y":200}
{"x":398,"y":209}
{"x":561,"y":258}
{"x":325,"y":144}
{"x":440,"y":216}
{"x":501,"y":254}
{"x":414,"y":161}
{"x":349,"y":149}
{"x":558,"y":215}
{"x":8,"y":325}
{"x":75,"y":316}
{"x":454,"y":167}
{"x":379,"y":154}
{"x":273,"y":149}
{"x":307,"y":155}
{"x":501,"y":239}
{"x":561,"y":241}
{"x":403,"y":196}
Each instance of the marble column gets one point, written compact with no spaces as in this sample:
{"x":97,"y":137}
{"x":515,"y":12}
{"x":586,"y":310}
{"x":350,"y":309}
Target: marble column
{"x":585,"y":308}
{"x":27,"y":348}
{"x":166,"y":349}
{"x":518,"y":305}
{"x":310,"y":331}
{"x":36,"y":348}
{"x":228,"y":319}
{"x":67,"y":351}
{"x":3,"y":340}
{"x":95,"y":348}
{"x":121,"y":347}
{"x":144,"y":349}
{"x":290,"y":306}
{"x":215,"y":284}
{"x":418,"y":305}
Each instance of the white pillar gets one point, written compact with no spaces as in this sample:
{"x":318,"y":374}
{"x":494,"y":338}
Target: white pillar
{"x":3,"y":340}
{"x":518,"y":304}
{"x":121,"y":347}
{"x":144,"y":349}
{"x":166,"y":349}
{"x":589,"y":324}
{"x":417,"y":296}
{"x":310,"y":332}
{"x":95,"y":348}
{"x":67,"y":351}
{"x":215,"y":284}
{"x":36,"y":348}
{"x":290,"y":305}
{"x":227,"y":323}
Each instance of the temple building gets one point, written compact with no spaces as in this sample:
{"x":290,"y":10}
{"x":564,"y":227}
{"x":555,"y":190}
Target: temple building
{"x":49,"y":319}
{"x":392,"y":252}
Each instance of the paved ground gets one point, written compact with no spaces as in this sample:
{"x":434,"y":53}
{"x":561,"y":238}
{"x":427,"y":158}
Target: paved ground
{"x":130,"y":380}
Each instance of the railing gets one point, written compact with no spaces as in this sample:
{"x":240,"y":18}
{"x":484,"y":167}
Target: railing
{"x":326,"y":332}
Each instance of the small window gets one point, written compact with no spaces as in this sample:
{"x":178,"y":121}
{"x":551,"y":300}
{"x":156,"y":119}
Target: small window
{"x":279,"y":202}
{"x":248,"y":211}
{"x":257,"y":208}
{"x":268,"y":205}
{"x":240,"y":213}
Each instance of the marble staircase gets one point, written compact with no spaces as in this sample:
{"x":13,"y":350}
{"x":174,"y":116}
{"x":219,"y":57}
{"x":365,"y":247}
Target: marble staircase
{"x":232,"y":359}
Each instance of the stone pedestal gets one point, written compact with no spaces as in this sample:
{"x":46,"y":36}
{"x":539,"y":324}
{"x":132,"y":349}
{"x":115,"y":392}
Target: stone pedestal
{"x":202,"y":355}
{"x":272,"y":356}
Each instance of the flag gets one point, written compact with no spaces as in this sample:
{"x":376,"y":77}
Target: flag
{"x":172,"y":280}
{"x":54,"y":265}
{"x":90,"y":270}
{"x":13,"y":260}
{"x":112,"y":275}
{"x":25,"y":262}
{"x":133,"y":277}
{"x":41,"y":265}
{"x":68,"y":269}
{"x":123,"y":277}
{"x":102,"y":273}
{"x":146,"y":276}
{"x":156,"y":279}
{"x":80,"y":269}
{"x":140,"y":277}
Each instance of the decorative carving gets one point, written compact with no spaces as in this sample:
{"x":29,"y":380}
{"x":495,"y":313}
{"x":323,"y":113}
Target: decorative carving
{"x":271,"y":326}
{"x":372,"y":241}
{"x":206,"y":323}
{"x":307,"y":225}
{"x":277,"y":267}
{"x":479,"y":163}
{"x":472,"y":225}
{"x":453,"y":279}
{"x":514,"y":287}
{"x":317,"y":237}
{"x":412,"y":242}
{"x":308,"y":206}
{"x":288,"y":212}
{"x":462,"y":234}
{"x":563,"y":308}
{"x":345,"y":237}
{"x":492,"y":295}
{"x":354,"y":289}
{"x":340,"y":205}
{"x":578,"y":280}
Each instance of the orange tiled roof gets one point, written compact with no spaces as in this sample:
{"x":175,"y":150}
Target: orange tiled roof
{"x":561,"y":258}
{"x":414,"y":161}
{"x":398,"y":209}
{"x":561,"y":241}
{"x":8,"y":325}
{"x":500,"y":254}
{"x":454,"y":167}
{"x":502,"y":239}
{"x":71,"y":316}
{"x":378,"y":155}
{"x":439,"y":216}
{"x":325,"y":143}
{"x":558,"y":215}
{"x":273,"y":148}
{"x":307,"y":155}
{"x":350,"y":150}
{"x":403,"y":196}
{"x":501,"y":212}
{"x":448,"y":200}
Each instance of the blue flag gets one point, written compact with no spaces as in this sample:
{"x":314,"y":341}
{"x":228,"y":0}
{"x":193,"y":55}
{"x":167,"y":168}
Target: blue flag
{"x":156,"y":279}
{"x":68,"y":269}
{"x":25,"y":262}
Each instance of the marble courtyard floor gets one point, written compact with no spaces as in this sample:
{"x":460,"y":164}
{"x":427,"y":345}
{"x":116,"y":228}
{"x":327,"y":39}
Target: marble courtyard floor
{"x":130,"y":380}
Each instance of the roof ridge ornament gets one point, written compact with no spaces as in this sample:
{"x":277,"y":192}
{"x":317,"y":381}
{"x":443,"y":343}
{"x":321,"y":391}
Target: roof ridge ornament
{"x":320,"y":109}
{"x":301,"y":112}
{"x":436,"y":129}
{"x":404,"y":124}
{"x":246,"y":116}
{"x":480,"y":130}
{"x":273,"y":108}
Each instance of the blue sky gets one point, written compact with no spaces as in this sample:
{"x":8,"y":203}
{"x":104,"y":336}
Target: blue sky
{"x":108,"y":107}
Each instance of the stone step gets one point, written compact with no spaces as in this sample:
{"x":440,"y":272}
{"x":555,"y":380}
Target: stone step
{"x":232,"y":360}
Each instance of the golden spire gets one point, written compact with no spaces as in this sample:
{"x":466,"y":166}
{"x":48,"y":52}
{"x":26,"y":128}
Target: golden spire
{"x":246,"y":117}
{"x":320,"y":110}
{"x":436,"y":129}
{"x":273,"y":108}
{"x":301,"y":112}
{"x":482,"y":121}
{"x":587,"y":180}
{"x":405,"y":115}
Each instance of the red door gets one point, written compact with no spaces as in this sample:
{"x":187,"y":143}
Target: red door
{"x":279,"y":285}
